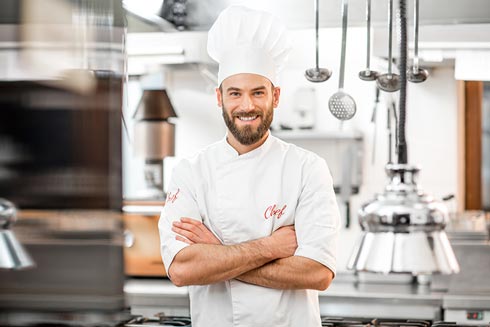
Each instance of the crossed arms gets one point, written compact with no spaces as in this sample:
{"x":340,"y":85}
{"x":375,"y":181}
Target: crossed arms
{"x":268,"y":261}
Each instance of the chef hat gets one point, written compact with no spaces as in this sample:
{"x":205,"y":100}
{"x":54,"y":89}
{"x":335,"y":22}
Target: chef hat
{"x":244,"y":40}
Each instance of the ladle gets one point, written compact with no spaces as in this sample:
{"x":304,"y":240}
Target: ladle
{"x":341,"y":104}
{"x":389,"y":82}
{"x":368,"y":74}
{"x":317,"y":74}
{"x":415,"y":74}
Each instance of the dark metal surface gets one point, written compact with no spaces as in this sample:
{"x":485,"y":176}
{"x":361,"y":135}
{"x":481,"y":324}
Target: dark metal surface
{"x":60,"y":149}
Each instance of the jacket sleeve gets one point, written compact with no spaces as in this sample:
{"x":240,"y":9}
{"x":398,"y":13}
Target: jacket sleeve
{"x":317,"y":217}
{"x":180,"y":202}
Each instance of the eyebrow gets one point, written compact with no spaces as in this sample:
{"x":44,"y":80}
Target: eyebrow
{"x":262,"y":87}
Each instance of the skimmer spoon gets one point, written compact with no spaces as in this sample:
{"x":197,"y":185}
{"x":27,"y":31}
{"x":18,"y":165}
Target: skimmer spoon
{"x":389,"y":82}
{"x":317,"y":74}
{"x":368,"y":74}
{"x":341,"y":104}
{"x":416,"y":74}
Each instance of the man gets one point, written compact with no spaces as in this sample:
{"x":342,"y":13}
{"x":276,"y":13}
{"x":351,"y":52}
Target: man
{"x":250,"y":222}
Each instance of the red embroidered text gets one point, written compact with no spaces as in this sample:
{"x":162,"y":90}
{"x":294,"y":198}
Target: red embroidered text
{"x":274,"y":211}
{"x":171,"y":197}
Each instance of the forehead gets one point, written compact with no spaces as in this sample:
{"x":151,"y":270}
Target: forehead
{"x":245,"y":81}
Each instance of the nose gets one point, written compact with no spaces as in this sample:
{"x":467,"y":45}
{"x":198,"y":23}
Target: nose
{"x":247,"y":103}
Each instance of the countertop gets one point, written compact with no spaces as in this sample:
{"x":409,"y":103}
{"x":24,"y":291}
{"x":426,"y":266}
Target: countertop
{"x":163,"y":286}
{"x":342,"y":298}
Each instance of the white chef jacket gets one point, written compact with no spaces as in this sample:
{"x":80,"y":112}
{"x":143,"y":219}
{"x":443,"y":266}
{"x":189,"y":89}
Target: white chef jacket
{"x":246,"y":197}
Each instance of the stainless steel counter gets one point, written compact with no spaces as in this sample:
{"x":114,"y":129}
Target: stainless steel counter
{"x":381,"y":300}
{"x":148,"y":296}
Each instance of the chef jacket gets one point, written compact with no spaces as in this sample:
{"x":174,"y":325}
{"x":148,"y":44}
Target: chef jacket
{"x":245,"y":197}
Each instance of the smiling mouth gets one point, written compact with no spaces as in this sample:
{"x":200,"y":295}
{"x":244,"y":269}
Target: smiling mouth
{"x":247,"y":118}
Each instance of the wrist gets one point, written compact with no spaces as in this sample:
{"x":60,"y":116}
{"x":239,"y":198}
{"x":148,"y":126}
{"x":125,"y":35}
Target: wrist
{"x":267,"y":248}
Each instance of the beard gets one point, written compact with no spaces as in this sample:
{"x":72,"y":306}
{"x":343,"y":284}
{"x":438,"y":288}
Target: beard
{"x":248,"y":135}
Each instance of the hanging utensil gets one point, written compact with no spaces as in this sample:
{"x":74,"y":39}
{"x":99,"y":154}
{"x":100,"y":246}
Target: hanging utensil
{"x":346,"y":183}
{"x":341,"y":104}
{"x":373,"y":121}
{"x":395,"y":118}
{"x":317,"y":74}
{"x":391,"y":116}
{"x":389,"y":82}
{"x":415,"y":74}
{"x":390,"y":135}
{"x":368,"y":74}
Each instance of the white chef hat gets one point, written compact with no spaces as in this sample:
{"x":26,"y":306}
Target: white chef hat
{"x":244,"y":40}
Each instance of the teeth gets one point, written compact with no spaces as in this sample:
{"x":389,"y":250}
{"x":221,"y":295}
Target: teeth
{"x":247,"y":118}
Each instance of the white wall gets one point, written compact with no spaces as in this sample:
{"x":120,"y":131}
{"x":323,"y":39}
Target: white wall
{"x":431,"y":117}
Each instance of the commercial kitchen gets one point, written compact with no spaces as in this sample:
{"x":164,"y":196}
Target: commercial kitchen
{"x":100,"y":99}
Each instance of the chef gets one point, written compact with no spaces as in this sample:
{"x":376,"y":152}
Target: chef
{"x":250,"y":223}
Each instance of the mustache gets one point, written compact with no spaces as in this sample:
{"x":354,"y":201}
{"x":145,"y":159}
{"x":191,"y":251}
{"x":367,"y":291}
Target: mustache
{"x":247,"y":114}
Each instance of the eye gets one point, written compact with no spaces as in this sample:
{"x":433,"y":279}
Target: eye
{"x":259,"y":93}
{"x":234,"y":94}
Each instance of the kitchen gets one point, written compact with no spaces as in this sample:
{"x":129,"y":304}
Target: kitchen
{"x":433,"y":132}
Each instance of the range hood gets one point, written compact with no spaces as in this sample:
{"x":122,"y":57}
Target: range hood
{"x":200,"y":14}
{"x":153,"y":40}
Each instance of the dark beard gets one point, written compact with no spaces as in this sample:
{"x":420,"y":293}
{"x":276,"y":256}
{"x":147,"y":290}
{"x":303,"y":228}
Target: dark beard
{"x":246,"y":135}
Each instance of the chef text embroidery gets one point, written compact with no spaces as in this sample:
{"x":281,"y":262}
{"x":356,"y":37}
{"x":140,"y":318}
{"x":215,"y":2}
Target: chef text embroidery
{"x":171,"y":197}
{"x":274,"y":211}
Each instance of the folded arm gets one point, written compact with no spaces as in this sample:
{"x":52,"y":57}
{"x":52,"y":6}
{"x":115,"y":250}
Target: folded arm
{"x":294,"y":272}
{"x":244,"y":263}
{"x":209,"y":262}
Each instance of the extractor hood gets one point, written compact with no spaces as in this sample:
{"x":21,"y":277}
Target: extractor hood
{"x":200,"y":14}
{"x":153,"y":40}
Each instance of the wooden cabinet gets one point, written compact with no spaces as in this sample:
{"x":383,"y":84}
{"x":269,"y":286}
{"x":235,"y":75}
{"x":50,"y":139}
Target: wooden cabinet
{"x":142,"y":251}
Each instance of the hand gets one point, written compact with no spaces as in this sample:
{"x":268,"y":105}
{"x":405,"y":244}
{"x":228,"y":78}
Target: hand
{"x":193,"y":231}
{"x":283,"y":242}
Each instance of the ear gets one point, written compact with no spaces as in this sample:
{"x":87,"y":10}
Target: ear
{"x":219,"y":97}
{"x":275,"y":96}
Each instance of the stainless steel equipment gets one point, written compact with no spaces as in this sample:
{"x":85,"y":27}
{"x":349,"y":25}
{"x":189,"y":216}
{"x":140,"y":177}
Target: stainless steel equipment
{"x":327,"y":321}
{"x":317,"y":74}
{"x":368,"y":74}
{"x":467,"y":298}
{"x":154,"y":137}
{"x":160,"y":320}
{"x":376,"y":322}
{"x":12,"y":253}
{"x":403,"y":230}
{"x":389,"y":82}
{"x":403,"y":227}
{"x":79,"y":273}
{"x":415,"y":73}
{"x":341,"y":104}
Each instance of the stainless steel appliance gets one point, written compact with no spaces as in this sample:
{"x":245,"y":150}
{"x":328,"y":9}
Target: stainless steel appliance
{"x":154,"y":137}
{"x":467,"y":298}
{"x":377,"y":322}
{"x":79,"y":273}
{"x":403,"y":230}
{"x":12,"y":253}
{"x":160,"y":320}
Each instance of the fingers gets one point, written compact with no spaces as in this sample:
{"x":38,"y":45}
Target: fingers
{"x":183,"y":232}
{"x":190,"y":221}
{"x":195,"y":231}
{"x":183,"y":239}
{"x":195,"y":223}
